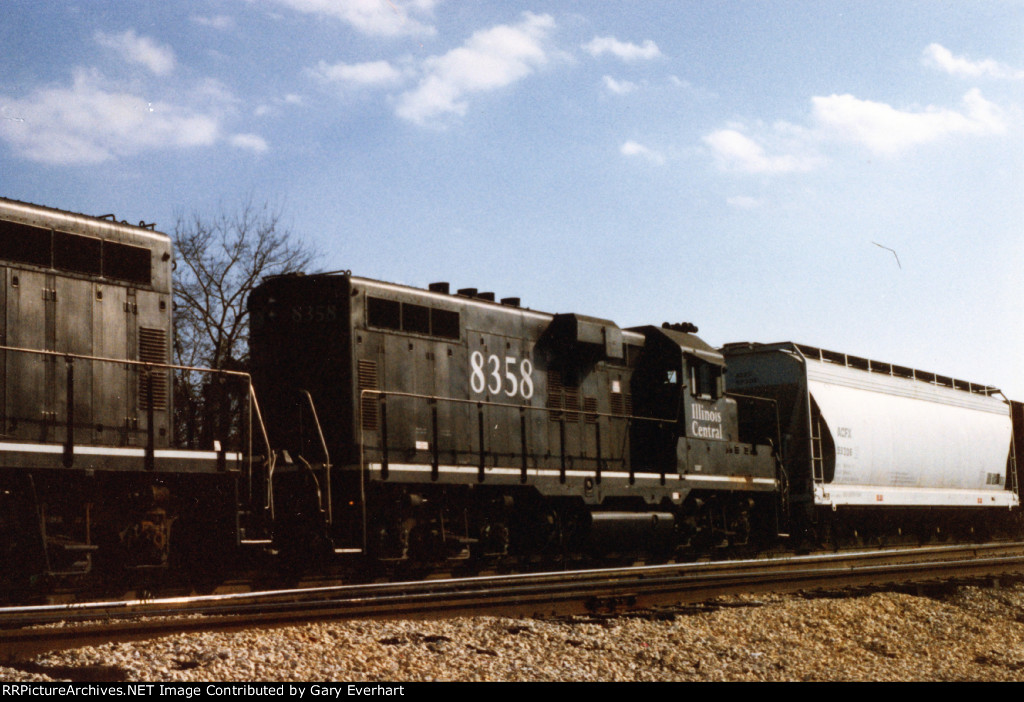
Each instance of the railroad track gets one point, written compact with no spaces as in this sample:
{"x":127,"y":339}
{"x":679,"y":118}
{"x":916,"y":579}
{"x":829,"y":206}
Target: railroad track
{"x":29,"y":631}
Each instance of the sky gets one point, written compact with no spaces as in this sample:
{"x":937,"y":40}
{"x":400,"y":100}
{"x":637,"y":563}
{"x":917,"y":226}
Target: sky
{"x":848,"y":175}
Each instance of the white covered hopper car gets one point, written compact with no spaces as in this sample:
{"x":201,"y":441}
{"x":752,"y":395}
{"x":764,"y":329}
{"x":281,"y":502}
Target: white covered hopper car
{"x":875,"y":449}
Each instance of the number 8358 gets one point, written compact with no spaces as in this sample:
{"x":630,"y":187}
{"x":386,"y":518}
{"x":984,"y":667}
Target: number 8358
{"x":495,"y":375}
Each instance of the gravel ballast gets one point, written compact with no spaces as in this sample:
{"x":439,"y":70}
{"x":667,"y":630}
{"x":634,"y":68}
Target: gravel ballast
{"x":967,"y":633}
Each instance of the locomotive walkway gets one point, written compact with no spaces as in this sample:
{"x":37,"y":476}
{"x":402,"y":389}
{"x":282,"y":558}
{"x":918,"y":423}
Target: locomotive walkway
{"x":29,"y":631}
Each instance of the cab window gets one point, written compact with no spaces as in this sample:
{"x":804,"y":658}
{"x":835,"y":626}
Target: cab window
{"x":704,"y":379}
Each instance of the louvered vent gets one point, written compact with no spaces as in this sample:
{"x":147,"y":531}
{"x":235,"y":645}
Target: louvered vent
{"x":590,"y":410}
{"x":368,"y":381}
{"x":561,"y":398}
{"x":622,"y":404}
{"x":572,"y":404}
{"x":554,"y":395}
{"x":153,"y":349}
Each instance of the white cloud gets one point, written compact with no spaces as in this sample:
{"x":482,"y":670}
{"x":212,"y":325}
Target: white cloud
{"x":735,"y":151}
{"x":374,"y":17}
{"x":940,"y":57}
{"x":491,"y":59}
{"x":879,"y":127}
{"x":289,"y":100}
{"x":744,"y":202}
{"x":632,"y":148}
{"x":221,"y":22}
{"x":621,"y":49}
{"x":214,"y":92}
{"x":369,"y":74}
{"x":886,"y":130}
{"x":619,"y":87}
{"x":140,"y":50}
{"x":89,"y":122}
{"x":253,"y":142}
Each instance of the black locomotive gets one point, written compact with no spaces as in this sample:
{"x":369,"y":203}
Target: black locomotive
{"x":422,"y":424}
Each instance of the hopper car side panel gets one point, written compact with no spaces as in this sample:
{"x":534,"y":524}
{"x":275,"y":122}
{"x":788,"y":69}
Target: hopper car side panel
{"x":867,"y":434}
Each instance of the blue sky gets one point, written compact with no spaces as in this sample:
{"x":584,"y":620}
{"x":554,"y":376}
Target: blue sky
{"x":737,"y":164}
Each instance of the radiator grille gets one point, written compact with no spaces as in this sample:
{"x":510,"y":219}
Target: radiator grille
{"x":554,"y":402}
{"x":564,"y":398}
{"x":622,"y":404}
{"x":368,"y":381}
{"x":153,"y":349}
{"x":572,"y":404}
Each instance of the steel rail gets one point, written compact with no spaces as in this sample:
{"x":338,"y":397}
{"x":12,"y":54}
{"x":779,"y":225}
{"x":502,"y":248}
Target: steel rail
{"x":546,"y":594}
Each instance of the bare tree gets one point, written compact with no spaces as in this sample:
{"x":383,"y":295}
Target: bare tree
{"x":219,"y":260}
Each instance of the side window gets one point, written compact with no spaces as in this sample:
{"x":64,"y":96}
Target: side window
{"x":705,"y":379}
{"x":88,"y":255}
{"x":444,"y":323}
{"x":415,"y":318}
{"x":126,"y":262}
{"x":410,"y":317}
{"x":386,"y":314}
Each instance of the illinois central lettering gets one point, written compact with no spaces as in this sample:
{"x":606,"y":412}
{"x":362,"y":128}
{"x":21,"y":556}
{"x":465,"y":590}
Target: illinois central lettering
{"x":704,"y":422}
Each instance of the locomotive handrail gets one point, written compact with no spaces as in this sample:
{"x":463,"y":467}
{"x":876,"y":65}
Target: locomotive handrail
{"x":766,"y":400}
{"x":147,"y":366}
{"x":327,"y":455}
{"x":489,"y":403}
{"x":781,"y":474}
{"x":582,"y":412}
{"x":384,"y":394}
{"x":126,"y":361}
{"x":271,"y":457}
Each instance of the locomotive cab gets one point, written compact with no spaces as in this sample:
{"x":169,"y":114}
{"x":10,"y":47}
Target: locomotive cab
{"x":688,"y":428}
{"x":679,"y":387}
